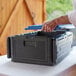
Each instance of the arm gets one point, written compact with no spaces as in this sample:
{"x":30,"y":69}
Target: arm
{"x":50,"y":25}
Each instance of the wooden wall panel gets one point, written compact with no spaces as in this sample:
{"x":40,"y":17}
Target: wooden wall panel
{"x":6,"y":8}
{"x":24,"y":13}
{"x":36,"y":10}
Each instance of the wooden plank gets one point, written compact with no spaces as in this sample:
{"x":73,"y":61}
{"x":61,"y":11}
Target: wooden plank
{"x":5,"y":12}
{"x":35,"y":7}
{"x":29,"y":11}
{"x":11,"y":16}
{"x":0,"y":14}
{"x":44,"y":10}
{"x":6,"y":31}
{"x":21,"y":18}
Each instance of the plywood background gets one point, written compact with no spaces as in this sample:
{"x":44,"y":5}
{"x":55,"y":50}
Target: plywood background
{"x":15,"y":15}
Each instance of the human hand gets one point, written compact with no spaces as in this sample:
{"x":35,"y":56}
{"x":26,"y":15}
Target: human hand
{"x":49,"y":26}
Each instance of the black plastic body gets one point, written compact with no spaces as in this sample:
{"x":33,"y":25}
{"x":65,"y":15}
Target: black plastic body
{"x":39,"y":47}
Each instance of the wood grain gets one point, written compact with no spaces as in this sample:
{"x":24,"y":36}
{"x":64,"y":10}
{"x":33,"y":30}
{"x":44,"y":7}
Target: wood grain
{"x":16,"y":16}
{"x":5,"y":13}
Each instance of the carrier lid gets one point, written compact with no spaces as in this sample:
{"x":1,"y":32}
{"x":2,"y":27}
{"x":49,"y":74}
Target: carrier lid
{"x":55,"y":33}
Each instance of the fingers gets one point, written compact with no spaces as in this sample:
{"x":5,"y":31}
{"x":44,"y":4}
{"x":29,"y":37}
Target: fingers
{"x":46,"y":28}
{"x":49,"y":26}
